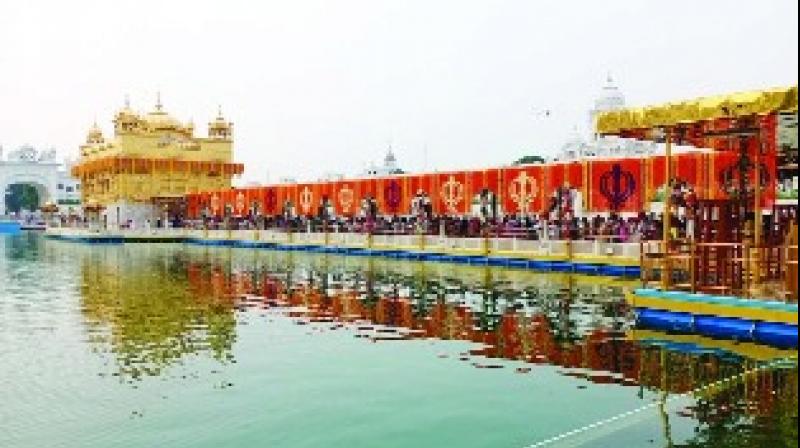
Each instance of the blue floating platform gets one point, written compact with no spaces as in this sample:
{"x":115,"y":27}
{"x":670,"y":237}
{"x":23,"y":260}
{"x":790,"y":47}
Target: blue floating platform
{"x":665,"y":320}
{"x":539,"y":265}
{"x":613,"y":271}
{"x":10,"y":227}
{"x":725,"y":327}
{"x":517,"y":263}
{"x":497,"y":261}
{"x":633,"y":271}
{"x":478,"y":260}
{"x":774,"y":334}
{"x":587,"y":268}
{"x":561,"y":266}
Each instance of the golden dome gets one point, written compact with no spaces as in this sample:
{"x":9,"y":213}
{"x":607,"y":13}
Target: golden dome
{"x":158,"y":119}
{"x":161,"y":120}
{"x":95,"y":134}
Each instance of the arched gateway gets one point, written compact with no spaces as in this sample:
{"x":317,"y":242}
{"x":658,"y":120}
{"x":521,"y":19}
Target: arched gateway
{"x":28,"y":166}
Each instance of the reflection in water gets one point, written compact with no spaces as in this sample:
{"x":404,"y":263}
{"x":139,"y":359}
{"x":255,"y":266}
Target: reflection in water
{"x":141,"y":307}
{"x":155,"y":309}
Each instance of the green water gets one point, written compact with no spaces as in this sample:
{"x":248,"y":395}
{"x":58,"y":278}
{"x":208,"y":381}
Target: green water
{"x":184,"y":346}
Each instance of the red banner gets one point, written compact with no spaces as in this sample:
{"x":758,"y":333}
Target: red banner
{"x":344,"y":199}
{"x":393,"y":195}
{"x":524,"y":189}
{"x":451,"y":197}
{"x":615,"y":185}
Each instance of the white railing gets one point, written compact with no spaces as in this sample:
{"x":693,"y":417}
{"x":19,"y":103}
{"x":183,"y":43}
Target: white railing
{"x":430,"y":243}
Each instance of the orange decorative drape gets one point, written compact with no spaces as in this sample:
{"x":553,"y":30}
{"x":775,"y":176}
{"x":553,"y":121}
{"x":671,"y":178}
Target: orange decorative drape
{"x":615,"y":185}
{"x":622,"y":185}
{"x":524,"y":189}
{"x":451,"y":193}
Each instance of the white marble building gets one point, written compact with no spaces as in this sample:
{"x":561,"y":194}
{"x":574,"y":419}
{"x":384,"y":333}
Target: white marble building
{"x":389,"y":166}
{"x":581,"y":147}
{"x":52,"y":180}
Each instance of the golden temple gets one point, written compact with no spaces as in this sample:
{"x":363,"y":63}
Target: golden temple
{"x":152,"y":157}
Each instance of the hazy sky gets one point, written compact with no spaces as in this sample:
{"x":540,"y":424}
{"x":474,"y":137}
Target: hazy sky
{"x":326,"y":86}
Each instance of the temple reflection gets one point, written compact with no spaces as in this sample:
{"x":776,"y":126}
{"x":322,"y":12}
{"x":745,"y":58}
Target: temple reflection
{"x":151,"y":312}
{"x":141,"y":309}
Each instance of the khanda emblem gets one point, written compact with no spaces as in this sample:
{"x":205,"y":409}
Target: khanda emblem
{"x":240,"y":202}
{"x":617,"y":186}
{"x":306,"y":199}
{"x":346,"y":197}
{"x":215,"y":204}
{"x":393,"y":195}
{"x":523,"y":191}
{"x":271,"y":201}
{"x":452,"y":193}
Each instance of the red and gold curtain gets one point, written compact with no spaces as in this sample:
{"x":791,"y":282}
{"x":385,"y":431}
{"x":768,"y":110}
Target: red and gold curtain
{"x":343,"y":197}
{"x":524,"y":189}
{"x":451,"y":196}
{"x":615,"y":185}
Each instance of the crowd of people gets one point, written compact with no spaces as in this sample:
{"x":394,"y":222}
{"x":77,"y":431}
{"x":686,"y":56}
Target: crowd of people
{"x":610,"y":228}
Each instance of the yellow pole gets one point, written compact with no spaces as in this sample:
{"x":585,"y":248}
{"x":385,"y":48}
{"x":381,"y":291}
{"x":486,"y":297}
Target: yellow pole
{"x":667,"y":214}
{"x":692,"y":265}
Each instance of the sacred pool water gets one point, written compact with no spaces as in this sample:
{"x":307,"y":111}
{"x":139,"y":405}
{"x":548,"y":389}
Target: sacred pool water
{"x":183,"y":346}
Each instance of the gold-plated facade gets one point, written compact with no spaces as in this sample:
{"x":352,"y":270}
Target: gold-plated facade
{"x":154,"y":155}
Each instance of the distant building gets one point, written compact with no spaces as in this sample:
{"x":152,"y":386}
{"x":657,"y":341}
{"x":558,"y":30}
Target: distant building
{"x":40,"y":169}
{"x":389,"y":166}
{"x":328,"y":177}
{"x":68,"y":189}
{"x":610,"y":98}
{"x":580,"y":147}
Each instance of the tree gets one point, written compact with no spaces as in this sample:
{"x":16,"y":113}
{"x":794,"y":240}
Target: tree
{"x":526,"y":160}
{"x":22,"y":197}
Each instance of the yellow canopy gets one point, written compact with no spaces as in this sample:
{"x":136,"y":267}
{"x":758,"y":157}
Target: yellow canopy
{"x":706,"y":108}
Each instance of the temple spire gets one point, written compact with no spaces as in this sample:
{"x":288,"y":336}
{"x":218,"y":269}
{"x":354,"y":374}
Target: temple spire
{"x":127,"y":101}
{"x":159,"y":106}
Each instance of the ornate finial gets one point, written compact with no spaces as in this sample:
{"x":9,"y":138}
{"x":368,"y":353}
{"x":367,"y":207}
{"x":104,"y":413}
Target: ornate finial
{"x":609,"y":79}
{"x":219,"y":111}
{"x":159,"y":106}
{"x":127,"y":101}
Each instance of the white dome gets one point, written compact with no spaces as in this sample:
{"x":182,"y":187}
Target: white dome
{"x":610,"y":97}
